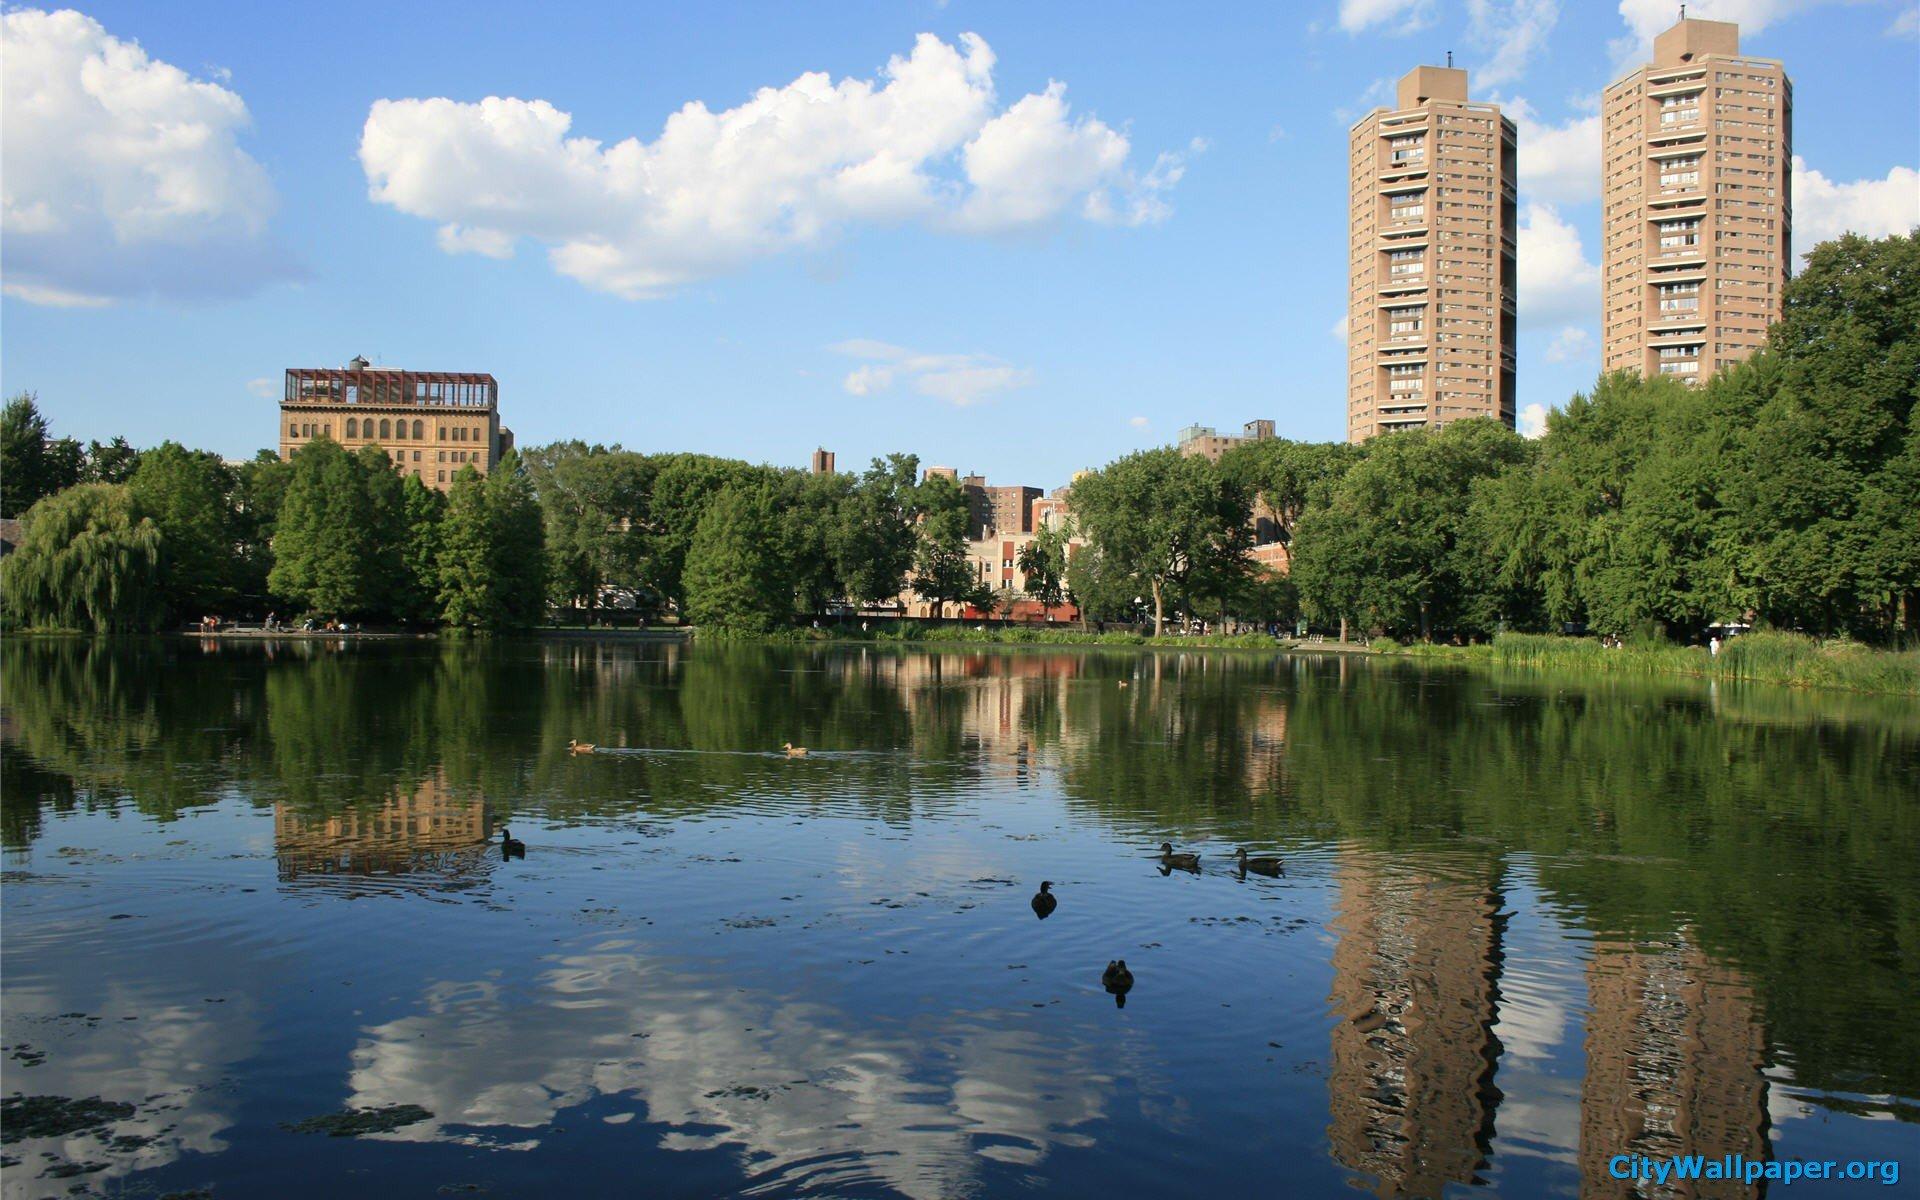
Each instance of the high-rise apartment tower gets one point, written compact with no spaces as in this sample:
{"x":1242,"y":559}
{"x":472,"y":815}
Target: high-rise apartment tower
{"x":1696,"y":179}
{"x":1431,"y":274}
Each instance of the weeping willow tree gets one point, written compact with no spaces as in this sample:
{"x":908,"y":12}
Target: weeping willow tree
{"x":89,"y":559}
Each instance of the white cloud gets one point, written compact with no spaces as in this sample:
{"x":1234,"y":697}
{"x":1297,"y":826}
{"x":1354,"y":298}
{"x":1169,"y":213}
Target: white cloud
{"x":1649,"y":17}
{"x":1559,"y":164}
{"x":1558,"y":284}
{"x":1571,"y":344}
{"x":1532,"y":421}
{"x":1512,"y":31}
{"x":1907,"y":24}
{"x":1646,"y":18}
{"x":786,"y":169}
{"x":123,"y":176}
{"x":1824,"y":209}
{"x":1138,"y":422}
{"x":1339,"y":328}
{"x":1391,"y":16}
{"x":958,"y":379}
{"x":265,"y":388}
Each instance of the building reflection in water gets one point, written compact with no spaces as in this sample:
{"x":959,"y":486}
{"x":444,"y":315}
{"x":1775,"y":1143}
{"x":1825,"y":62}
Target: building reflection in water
{"x":1675,"y":1053}
{"x":1416,"y":990}
{"x":423,"y":838}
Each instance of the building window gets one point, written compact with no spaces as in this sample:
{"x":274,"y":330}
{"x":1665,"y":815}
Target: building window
{"x":1680,"y":172}
{"x":443,"y":476}
{"x":293,"y":430}
{"x":353,"y":427}
{"x":416,"y":456}
{"x":419,"y":430}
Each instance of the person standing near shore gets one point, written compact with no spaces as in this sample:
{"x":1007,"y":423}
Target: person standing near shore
{"x":1713,"y":646}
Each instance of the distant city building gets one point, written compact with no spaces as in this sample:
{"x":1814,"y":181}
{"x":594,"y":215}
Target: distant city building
{"x":1209,"y":443}
{"x":432,"y":423}
{"x":1430,"y":316}
{"x":1697,"y":204}
{"x":822,"y":462}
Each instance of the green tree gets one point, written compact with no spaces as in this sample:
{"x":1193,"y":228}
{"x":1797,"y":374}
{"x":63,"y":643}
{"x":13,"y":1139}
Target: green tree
{"x":323,"y":545}
{"x":186,"y":492}
{"x":109,"y":462}
{"x":877,"y":533}
{"x":469,"y":595}
{"x":1285,"y":477}
{"x":259,"y":487}
{"x":683,"y":485}
{"x":1043,"y":563}
{"x":416,"y":598}
{"x":33,"y":464}
{"x":737,"y":567}
{"x":519,"y":544}
{"x":89,"y":559}
{"x":813,"y":512}
{"x":942,"y":572}
{"x":492,"y":558}
{"x":1396,"y":549}
{"x":1170,"y":525}
{"x":594,"y":503}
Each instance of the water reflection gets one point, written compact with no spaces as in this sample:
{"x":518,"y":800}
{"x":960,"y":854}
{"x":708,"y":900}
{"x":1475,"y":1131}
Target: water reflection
{"x":424,"y":838}
{"x":1417,"y":991}
{"x":799,"y":1088}
{"x":1675,"y":1055}
{"x":1526,"y":924}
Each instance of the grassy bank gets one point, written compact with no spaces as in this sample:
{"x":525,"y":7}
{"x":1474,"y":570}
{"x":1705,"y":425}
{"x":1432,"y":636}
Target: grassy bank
{"x":1789,"y":658}
{"x":940,"y":635}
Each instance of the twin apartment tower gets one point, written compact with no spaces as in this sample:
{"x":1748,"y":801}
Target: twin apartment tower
{"x":1695,"y":176}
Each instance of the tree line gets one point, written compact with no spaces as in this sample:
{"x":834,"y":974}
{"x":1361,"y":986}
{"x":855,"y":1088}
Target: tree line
{"x":1785,"y":489}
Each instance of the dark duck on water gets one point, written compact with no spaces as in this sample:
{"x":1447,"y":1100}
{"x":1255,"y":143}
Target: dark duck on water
{"x":1044,"y":901}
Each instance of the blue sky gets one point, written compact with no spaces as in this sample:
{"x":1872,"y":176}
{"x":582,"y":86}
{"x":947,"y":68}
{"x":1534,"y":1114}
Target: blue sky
{"x":1046,"y":236}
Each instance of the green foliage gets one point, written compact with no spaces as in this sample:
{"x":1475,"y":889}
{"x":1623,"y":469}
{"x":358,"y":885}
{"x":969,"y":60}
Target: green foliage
{"x":1043,"y":561}
{"x":492,"y":554}
{"x":325,"y":557}
{"x":594,"y":503}
{"x":736,"y":571}
{"x":1766,"y":657}
{"x":942,"y":573}
{"x":90,"y":559}
{"x":1391,"y":548}
{"x":33,"y":464}
{"x":875,"y":539}
{"x":1165,"y":525}
{"x":188,"y":494}
{"x":416,"y":596}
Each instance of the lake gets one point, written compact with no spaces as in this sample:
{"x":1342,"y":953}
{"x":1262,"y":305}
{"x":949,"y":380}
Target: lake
{"x":261,"y":938}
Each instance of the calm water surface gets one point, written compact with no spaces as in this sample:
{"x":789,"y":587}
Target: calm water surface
{"x":1526,"y":923}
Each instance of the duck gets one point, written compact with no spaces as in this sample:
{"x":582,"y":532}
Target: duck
{"x":1185,"y":860}
{"x":1044,"y":901}
{"x":581,"y":747}
{"x":1259,"y":865}
{"x":1123,"y":683}
{"x":794,"y":751}
{"x":511,"y":846}
{"x":1118,"y":981}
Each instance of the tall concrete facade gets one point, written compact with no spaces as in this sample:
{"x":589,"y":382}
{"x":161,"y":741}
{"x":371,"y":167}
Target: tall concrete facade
{"x":1430,"y":314}
{"x":1696,"y":178}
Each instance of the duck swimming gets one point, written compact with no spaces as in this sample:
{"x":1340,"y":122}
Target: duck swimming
{"x":580,"y":747}
{"x":1184,"y":861}
{"x":511,"y":846}
{"x":1261,"y":865}
{"x":1118,"y":981}
{"x":794,"y":751}
{"x":1044,"y":901}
